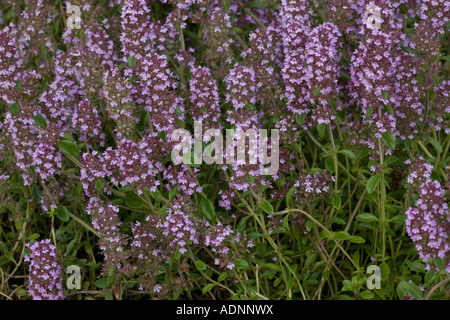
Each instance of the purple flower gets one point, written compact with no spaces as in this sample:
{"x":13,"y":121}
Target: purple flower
{"x":242,"y":89}
{"x":179,"y":227}
{"x":10,"y":68}
{"x":44,"y":279}
{"x":136,"y":31}
{"x":112,"y":242}
{"x":87,"y":120}
{"x":204,"y":95}
{"x":428,"y":225}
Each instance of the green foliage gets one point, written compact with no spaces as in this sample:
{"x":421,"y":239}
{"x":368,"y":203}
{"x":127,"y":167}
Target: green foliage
{"x":287,"y":244}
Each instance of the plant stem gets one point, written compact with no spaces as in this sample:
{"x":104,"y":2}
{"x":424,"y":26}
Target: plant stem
{"x":382,"y":198}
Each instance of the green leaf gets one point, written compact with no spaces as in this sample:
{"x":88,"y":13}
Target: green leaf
{"x":37,"y":194}
{"x":200,"y":265}
{"x":391,"y":160}
{"x":68,"y":136}
{"x":321,"y":129}
{"x":63,"y":214}
{"x":40,"y":121}
{"x":289,"y":195}
{"x":241,"y":264}
{"x":401,"y":289}
{"x":177,"y":255}
{"x":156,"y":195}
{"x":338,"y":220}
{"x":348,"y":153}
{"x":356,"y":257}
{"x":369,"y":112}
{"x":341,"y":235}
{"x":172,"y":192}
{"x":416,"y":266}
{"x":99,"y":185}
{"x":68,"y":148}
{"x":332,"y":102}
{"x":389,"y":140}
{"x":300,"y":118}
{"x":267,"y":207}
{"x":384,"y":95}
{"x":207,"y":208}
{"x":366,"y":217}
{"x":309,"y":225}
{"x":257,"y":4}
{"x":316,"y":91}
{"x":111,"y":270}
{"x":413,"y":290}
{"x":345,"y":75}
{"x":226,"y":5}
{"x":33,"y":236}
{"x":372,"y":183}
{"x":241,"y":224}
{"x":435,"y":143}
{"x":132,"y":201}
{"x":446,"y":58}
{"x":178,"y":111}
{"x":337,"y":201}
{"x":272,"y":266}
{"x":329,"y":164}
{"x":367,"y":295}
{"x":356,"y":239}
{"x":224,"y":275}
{"x":101,"y":283}
{"x":285,"y":224}
{"x":400,"y":218}
{"x":19,"y":84}
{"x":438,"y":262}
{"x":403,"y":8}
{"x":208,"y":288}
{"x":385,"y":270}
{"x":14,"y":109}
{"x":131,"y":61}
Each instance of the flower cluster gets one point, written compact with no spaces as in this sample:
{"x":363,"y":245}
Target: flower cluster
{"x":182,"y":178}
{"x":428,"y":224}
{"x":120,"y":105}
{"x":136,"y":31}
{"x":179,"y":228}
{"x":436,"y":13}
{"x":128,"y":164}
{"x":265,"y":57}
{"x":321,"y":72}
{"x":242,"y":89}
{"x":46,"y":157}
{"x":44,"y":279}
{"x":419,"y":172}
{"x":309,"y":187}
{"x":112,"y":242}
{"x":215,"y":239}
{"x":87,"y":116}
{"x":204,"y":96}
{"x":10,"y":68}
{"x":441,"y":108}
{"x":156,"y":91}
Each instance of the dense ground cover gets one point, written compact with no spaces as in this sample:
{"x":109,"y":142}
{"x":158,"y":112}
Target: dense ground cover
{"x":92,"y":92}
